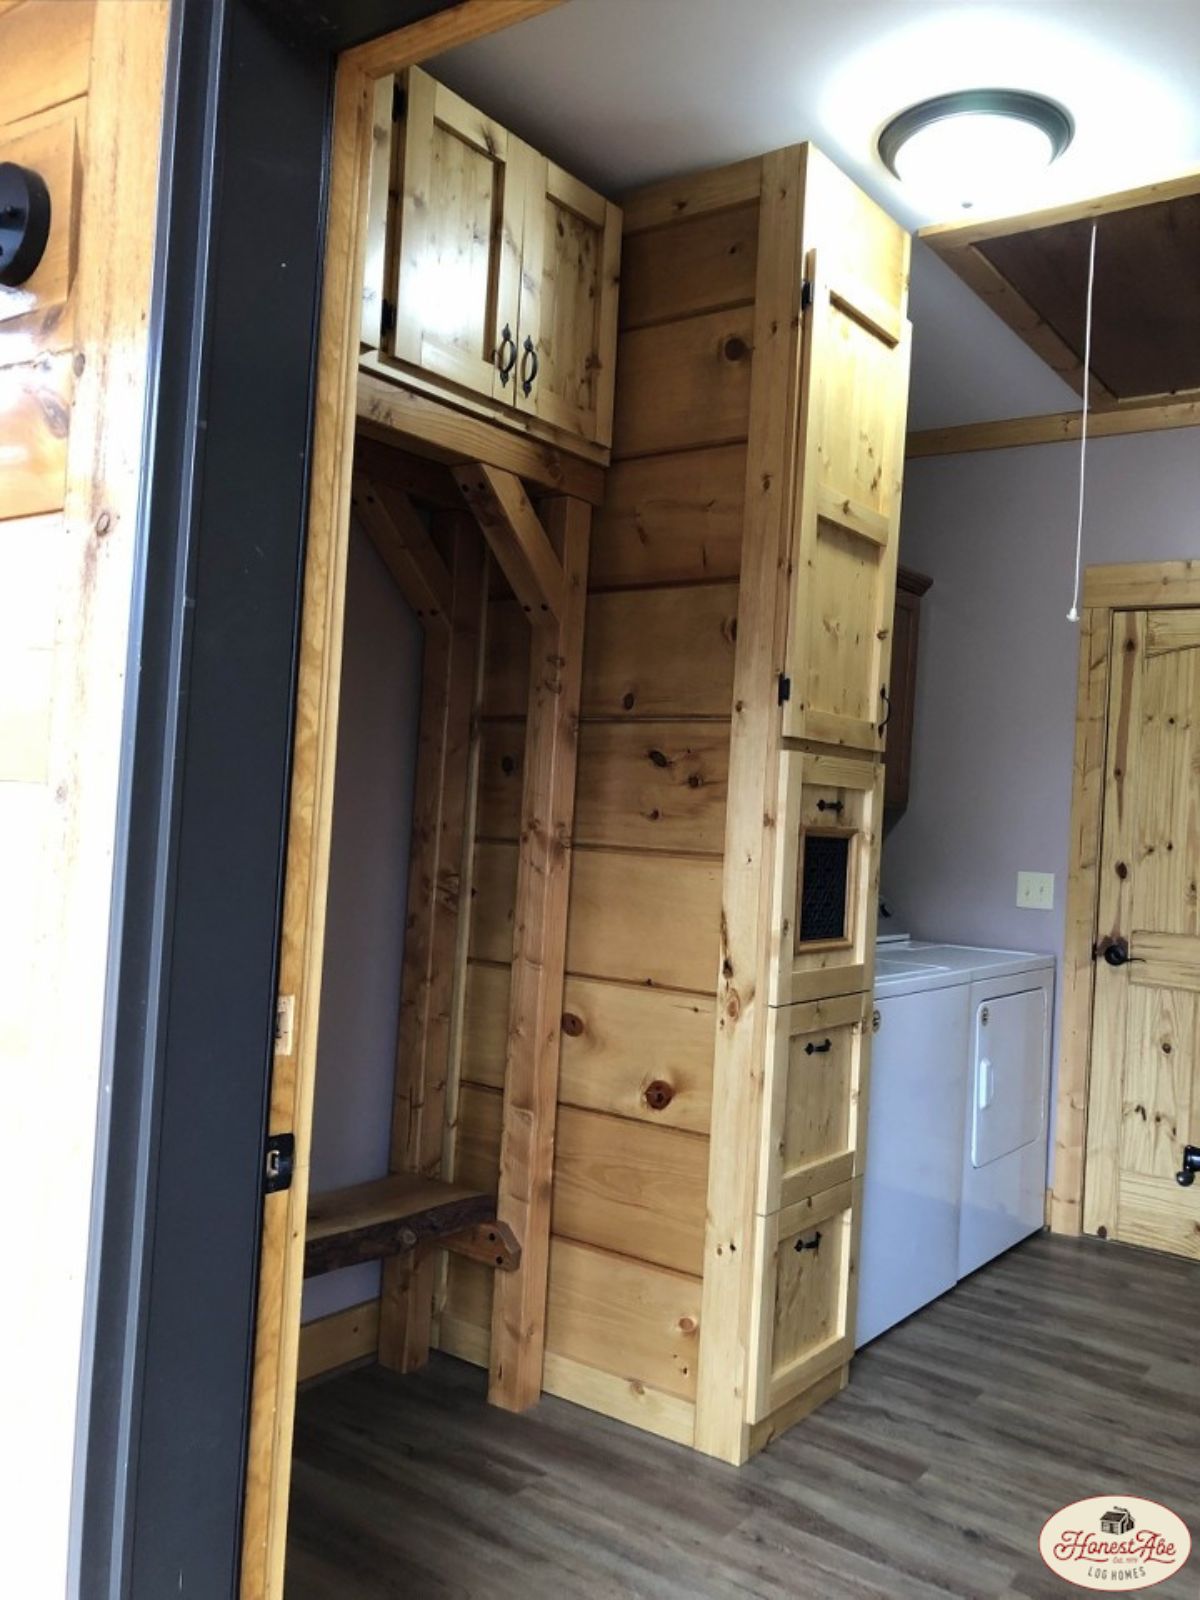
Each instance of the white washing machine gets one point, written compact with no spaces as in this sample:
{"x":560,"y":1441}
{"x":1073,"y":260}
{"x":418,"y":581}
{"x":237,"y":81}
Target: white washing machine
{"x":958,"y":1122}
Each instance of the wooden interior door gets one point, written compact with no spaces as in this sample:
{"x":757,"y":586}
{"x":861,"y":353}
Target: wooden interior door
{"x":570,"y":264}
{"x":458,"y":271}
{"x":1144,"y":1103}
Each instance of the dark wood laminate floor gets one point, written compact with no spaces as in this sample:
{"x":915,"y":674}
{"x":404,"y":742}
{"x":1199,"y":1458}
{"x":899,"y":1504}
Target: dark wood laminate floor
{"x":1067,"y":1368}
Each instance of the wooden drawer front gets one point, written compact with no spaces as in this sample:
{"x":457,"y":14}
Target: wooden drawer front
{"x":816,"y":1096}
{"x":803,"y":1322}
{"x":847,"y":515}
{"x":826,"y":876}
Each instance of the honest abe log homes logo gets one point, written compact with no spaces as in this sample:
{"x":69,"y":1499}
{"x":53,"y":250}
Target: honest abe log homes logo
{"x":1115,"y":1542}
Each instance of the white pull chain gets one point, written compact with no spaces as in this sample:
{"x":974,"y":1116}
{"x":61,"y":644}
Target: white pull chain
{"x":1073,"y":614}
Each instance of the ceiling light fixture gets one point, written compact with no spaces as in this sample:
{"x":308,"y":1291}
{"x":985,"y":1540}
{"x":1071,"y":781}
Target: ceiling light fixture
{"x":976,"y":147}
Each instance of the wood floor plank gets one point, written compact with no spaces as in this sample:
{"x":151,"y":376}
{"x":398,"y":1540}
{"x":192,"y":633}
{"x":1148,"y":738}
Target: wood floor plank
{"x":1065,"y":1369}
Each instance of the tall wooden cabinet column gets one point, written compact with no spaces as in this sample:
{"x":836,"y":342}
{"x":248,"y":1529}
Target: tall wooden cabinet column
{"x":765,"y":308}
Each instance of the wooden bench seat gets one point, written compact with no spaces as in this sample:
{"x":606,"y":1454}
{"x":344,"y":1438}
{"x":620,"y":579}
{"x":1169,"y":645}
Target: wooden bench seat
{"x":394,"y":1215}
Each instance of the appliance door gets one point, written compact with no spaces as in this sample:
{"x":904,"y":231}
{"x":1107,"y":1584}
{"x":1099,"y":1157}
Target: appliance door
{"x":1008,"y":1106}
{"x":1004,"y":1163}
{"x":909,"y":1248}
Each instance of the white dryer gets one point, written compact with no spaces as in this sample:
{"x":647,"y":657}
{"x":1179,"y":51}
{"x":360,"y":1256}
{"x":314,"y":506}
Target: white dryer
{"x":958,"y":1121}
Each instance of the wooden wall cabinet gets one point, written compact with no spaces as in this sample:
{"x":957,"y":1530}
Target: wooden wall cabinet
{"x":910,"y":586}
{"x":491,"y":273}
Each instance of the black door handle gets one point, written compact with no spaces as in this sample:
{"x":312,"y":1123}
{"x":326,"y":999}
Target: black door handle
{"x":1115,"y":951}
{"x":506,"y":354}
{"x":529,"y":366}
{"x":1186,"y":1176}
{"x":822,"y":1049}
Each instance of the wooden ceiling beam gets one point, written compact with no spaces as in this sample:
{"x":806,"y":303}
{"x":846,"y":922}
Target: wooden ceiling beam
{"x":516,"y":537}
{"x":396,"y":530}
{"x":947,"y":236}
{"x":1057,"y":427}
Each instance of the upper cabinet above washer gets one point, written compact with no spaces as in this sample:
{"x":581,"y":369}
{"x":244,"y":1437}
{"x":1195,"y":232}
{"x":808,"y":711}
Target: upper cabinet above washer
{"x":491,"y":274}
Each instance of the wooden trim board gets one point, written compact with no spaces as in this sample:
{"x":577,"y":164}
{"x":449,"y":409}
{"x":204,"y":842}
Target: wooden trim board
{"x":1056,"y":427}
{"x":272,"y":1402}
{"x":328,"y":1343}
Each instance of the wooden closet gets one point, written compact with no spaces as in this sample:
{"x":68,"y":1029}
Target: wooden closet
{"x":719,"y":948}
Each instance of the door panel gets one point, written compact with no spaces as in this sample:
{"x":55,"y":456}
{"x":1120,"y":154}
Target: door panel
{"x":568,"y":313}
{"x":804,"y":1315}
{"x":852,"y":432}
{"x":830,"y":812}
{"x":1144,"y":1102}
{"x":459,"y":251}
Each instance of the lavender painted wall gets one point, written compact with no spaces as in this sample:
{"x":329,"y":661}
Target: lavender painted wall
{"x":364,"y":940}
{"x":991,"y":789}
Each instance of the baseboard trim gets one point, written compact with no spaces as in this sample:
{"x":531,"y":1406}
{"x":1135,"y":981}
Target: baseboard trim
{"x":336,"y":1340}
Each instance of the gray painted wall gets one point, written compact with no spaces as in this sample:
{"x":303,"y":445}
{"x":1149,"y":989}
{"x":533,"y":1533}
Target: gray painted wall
{"x":992,"y":754}
{"x":364,"y":939}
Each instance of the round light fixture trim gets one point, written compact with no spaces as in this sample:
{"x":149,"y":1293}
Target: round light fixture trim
{"x":1038,"y":110}
{"x":975,"y":144}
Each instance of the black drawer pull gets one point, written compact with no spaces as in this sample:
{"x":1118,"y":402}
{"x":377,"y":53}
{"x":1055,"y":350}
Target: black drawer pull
{"x":529,"y":366}
{"x":831,"y":805}
{"x":808,"y":1244}
{"x":822,"y":1049}
{"x":506,"y":354}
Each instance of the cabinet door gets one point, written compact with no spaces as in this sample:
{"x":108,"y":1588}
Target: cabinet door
{"x":826,"y":885}
{"x":816,"y":1092}
{"x":903,"y":695}
{"x":458,"y":253}
{"x":568,"y":325}
{"x":805,"y":1309}
{"x":847,"y":513}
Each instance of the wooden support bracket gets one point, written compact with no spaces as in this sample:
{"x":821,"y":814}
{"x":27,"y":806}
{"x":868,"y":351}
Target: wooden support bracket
{"x":493,"y":1244}
{"x":402,"y":539}
{"x":516,"y":536}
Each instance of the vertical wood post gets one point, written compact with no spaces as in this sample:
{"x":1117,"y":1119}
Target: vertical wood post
{"x":539,"y":958}
{"x":440,"y":829}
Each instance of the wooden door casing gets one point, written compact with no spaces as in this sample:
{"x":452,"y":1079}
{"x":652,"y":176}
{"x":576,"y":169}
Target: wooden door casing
{"x":1145,"y":1077}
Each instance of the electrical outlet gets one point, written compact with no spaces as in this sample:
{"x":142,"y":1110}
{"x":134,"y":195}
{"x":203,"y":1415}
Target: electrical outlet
{"x":1035,"y":891}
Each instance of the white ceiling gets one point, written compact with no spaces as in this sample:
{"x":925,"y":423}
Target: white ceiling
{"x":626,"y":91}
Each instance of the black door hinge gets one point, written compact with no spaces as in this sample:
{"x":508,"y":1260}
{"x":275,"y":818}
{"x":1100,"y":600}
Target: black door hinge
{"x":279,"y":1162}
{"x":806,"y":294}
{"x":785,"y":688}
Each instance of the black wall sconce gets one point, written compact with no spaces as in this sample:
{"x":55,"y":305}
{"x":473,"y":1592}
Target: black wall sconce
{"x":24,"y":222}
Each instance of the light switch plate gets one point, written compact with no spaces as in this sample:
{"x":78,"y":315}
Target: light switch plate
{"x":1035,"y":891}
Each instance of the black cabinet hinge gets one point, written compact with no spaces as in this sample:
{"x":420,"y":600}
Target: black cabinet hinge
{"x":806,"y":294}
{"x":785,"y":688}
{"x":279,"y":1162}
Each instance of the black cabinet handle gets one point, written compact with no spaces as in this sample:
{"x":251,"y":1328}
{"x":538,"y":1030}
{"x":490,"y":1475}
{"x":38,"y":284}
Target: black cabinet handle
{"x":822,"y":1049}
{"x":529,"y":366}
{"x":887,"y":712}
{"x":1186,"y":1176}
{"x":506,"y":360}
{"x":810,"y":1244}
{"x":831,"y":805}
